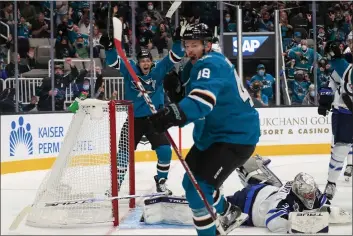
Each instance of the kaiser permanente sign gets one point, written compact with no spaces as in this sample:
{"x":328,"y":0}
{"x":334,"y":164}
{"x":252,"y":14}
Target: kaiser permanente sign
{"x":256,"y":45}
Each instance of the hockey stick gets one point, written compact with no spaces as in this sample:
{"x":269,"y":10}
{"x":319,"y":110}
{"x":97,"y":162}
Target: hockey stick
{"x":117,"y":26}
{"x":172,"y":9}
{"x":19,"y":218}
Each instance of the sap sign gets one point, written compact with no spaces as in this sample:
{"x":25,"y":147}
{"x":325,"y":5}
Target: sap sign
{"x":250,"y":44}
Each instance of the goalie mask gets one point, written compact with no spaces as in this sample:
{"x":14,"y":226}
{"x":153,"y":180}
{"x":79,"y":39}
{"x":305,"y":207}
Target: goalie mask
{"x":305,"y":188}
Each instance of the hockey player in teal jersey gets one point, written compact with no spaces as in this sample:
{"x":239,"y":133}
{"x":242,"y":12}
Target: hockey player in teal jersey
{"x":338,"y":96}
{"x":151,"y":75}
{"x":226,"y":127}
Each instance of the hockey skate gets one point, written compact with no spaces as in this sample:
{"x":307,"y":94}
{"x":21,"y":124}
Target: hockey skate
{"x":348,"y":173}
{"x":330,"y":190}
{"x":161,"y":186}
{"x":232,"y":218}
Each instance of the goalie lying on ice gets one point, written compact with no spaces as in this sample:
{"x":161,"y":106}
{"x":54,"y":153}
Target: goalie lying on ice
{"x":267,"y":202}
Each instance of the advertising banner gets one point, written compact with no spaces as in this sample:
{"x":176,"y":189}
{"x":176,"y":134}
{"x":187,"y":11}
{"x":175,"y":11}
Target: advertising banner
{"x":33,"y":136}
{"x":256,"y":45}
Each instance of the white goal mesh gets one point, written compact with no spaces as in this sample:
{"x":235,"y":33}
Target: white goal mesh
{"x":95,"y":161}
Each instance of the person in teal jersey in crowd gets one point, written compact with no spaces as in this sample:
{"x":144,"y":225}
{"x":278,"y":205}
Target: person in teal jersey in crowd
{"x":266,"y":79}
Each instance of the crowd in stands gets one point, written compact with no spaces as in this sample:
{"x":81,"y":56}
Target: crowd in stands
{"x":72,"y":26}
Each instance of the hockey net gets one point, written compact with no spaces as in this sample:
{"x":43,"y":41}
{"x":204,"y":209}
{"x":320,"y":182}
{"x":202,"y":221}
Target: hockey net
{"x":96,"y":160}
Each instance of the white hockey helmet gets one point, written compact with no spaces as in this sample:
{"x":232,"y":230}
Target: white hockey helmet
{"x":305,"y":187}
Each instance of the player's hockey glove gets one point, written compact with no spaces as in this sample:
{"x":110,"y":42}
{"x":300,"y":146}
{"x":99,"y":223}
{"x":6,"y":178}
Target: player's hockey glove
{"x":179,"y":31}
{"x":326,"y":99}
{"x":167,"y":117}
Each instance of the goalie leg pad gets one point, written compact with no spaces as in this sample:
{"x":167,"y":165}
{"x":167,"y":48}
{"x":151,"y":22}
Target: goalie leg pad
{"x":308,"y":222}
{"x":256,"y":171}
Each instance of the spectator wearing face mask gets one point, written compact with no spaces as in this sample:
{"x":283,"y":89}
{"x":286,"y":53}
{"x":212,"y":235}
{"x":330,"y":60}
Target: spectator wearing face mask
{"x":299,"y":87}
{"x":309,"y":99}
{"x":81,"y":50}
{"x":229,"y":25}
{"x":74,"y":33}
{"x":149,"y":24}
{"x":298,"y":53}
{"x":323,"y":74}
{"x":156,"y":17}
{"x":267,"y":81}
{"x":61,"y":82}
{"x":265,"y":23}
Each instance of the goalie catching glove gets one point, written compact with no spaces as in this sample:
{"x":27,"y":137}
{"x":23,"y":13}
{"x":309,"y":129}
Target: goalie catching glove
{"x":167,"y":117}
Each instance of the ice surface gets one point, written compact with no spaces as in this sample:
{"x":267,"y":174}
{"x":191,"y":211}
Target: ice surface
{"x":18,"y":191}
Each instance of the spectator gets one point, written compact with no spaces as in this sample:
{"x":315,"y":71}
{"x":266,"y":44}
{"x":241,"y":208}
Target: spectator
{"x":84,"y":25}
{"x":22,"y":66}
{"x":298,"y":53}
{"x":40,"y":29}
{"x":155,"y":16}
{"x":229,"y":24}
{"x":324,"y":73}
{"x":149,"y":25}
{"x":28,"y":11}
{"x":99,"y":86}
{"x":283,"y":23}
{"x":23,"y":29}
{"x":63,"y":27}
{"x":309,"y":99}
{"x":161,"y":39}
{"x":8,"y":102}
{"x":126,"y":39}
{"x":81,"y":50}
{"x":62,"y":8}
{"x":3,"y":72}
{"x":74,"y":33}
{"x":265,"y":23}
{"x":290,"y":68}
{"x":6,"y":14}
{"x":145,"y":36}
{"x":299,"y":87}
{"x":250,"y":17}
{"x":266,"y":79}
{"x":61,"y":83}
{"x":63,"y":48}
{"x":96,"y":37}
{"x":259,"y":99}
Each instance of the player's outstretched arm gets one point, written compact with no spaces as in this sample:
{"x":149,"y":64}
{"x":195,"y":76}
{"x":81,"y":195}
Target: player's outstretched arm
{"x":167,"y":63}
